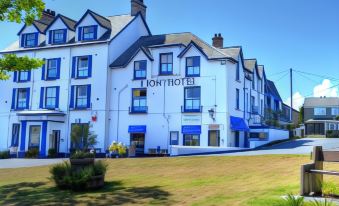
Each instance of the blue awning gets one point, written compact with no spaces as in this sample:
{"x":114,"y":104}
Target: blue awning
{"x":191,"y":129}
{"x":137,"y":129}
{"x":238,"y":124}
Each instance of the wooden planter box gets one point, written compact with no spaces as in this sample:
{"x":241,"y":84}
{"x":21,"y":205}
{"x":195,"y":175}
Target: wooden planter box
{"x":96,"y":182}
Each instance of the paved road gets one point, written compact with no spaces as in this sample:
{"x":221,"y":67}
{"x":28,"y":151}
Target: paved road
{"x":300,"y":146}
{"x":17,"y":163}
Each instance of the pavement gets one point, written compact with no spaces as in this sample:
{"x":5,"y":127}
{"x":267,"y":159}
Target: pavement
{"x":299,"y":146}
{"x":18,"y":163}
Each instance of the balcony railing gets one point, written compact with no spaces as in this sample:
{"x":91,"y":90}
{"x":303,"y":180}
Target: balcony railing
{"x":138,"y":110}
{"x":191,"y":110}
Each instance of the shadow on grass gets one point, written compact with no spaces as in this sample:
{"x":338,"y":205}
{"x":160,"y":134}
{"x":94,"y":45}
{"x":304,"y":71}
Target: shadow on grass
{"x":114,"y":193}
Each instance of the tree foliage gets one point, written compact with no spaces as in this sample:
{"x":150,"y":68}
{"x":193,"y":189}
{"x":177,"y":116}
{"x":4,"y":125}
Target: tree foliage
{"x":21,"y":10}
{"x":11,"y":62}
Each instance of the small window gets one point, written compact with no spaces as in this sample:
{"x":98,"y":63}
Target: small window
{"x":15,"y":135}
{"x":193,"y":66}
{"x":174,"y":136}
{"x":320,"y":111}
{"x":22,"y":99}
{"x":51,"y":97}
{"x":335,"y":111}
{"x":166,"y":64}
{"x":253,"y":81}
{"x":59,"y":36}
{"x":192,"y":99}
{"x":30,"y":40}
{"x":82,"y":69}
{"x":191,"y":140}
{"x":81,"y":96}
{"x":52,"y":68}
{"x":89,"y":33}
{"x":140,"y":68}
{"x":23,"y":76}
{"x":237,"y":99}
{"x":139,"y":101}
{"x":252,"y":104}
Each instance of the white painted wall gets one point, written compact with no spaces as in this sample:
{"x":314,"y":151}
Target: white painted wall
{"x":273,"y":135}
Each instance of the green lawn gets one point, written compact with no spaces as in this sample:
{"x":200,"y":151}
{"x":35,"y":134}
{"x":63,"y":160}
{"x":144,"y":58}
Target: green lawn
{"x":231,"y":181}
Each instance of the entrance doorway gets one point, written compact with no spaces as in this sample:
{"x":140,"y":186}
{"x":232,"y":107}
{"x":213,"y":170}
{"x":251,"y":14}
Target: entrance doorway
{"x":34,"y":136}
{"x":214,"y":138}
{"x":237,"y":139}
{"x":55,"y":140}
{"x":138,"y":141}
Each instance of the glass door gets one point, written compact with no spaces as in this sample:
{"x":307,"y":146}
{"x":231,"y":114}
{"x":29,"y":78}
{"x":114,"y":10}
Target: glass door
{"x":34,"y":136}
{"x":213,"y":138}
{"x":138,"y":141}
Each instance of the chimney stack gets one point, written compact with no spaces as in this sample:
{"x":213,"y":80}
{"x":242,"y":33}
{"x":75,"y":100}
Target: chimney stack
{"x":138,"y":6}
{"x":218,"y":41}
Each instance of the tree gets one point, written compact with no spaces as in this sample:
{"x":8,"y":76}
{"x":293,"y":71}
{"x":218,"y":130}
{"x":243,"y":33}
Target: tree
{"x":11,"y":62}
{"x":301,"y":115}
{"x":19,"y":11}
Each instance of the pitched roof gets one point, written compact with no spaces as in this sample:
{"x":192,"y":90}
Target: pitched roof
{"x":40,"y":24}
{"x":70,"y":23}
{"x":250,"y":64}
{"x":234,"y":52}
{"x":261,"y":71}
{"x":321,"y":102}
{"x":118,"y":24}
{"x":272,"y":90}
{"x":184,"y":39}
{"x":102,"y":21}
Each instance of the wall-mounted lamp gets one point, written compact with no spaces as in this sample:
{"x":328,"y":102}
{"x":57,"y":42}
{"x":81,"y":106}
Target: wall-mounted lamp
{"x":211,"y":112}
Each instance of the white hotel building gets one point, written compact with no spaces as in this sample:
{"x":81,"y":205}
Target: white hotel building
{"x":160,"y":93}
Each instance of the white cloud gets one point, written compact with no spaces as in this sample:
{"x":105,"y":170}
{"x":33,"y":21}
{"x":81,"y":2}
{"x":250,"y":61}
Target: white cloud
{"x":298,"y":101}
{"x":323,"y":89}
{"x":320,"y":90}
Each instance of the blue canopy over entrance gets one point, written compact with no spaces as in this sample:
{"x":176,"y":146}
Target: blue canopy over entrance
{"x":137,"y":129}
{"x":239,"y":124}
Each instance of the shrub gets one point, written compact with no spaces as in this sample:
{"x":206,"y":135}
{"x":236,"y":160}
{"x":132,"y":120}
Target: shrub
{"x":82,"y":155}
{"x":322,"y":203}
{"x":291,"y":200}
{"x":65,"y":177}
{"x":100,"y":168}
{"x":52,"y":153}
{"x":32,"y":153}
{"x":118,"y":148}
{"x":4,"y":154}
{"x":332,"y":133}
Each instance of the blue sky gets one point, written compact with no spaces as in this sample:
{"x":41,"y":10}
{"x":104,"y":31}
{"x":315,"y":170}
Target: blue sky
{"x":302,"y":34}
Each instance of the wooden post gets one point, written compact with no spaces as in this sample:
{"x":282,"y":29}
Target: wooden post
{"x":306,"y":179}
{"x":317,"y":158}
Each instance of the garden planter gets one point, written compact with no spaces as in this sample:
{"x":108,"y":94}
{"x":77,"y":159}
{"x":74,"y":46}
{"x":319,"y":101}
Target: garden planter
{"x":82,"y":162}
{"x":96,"y":182}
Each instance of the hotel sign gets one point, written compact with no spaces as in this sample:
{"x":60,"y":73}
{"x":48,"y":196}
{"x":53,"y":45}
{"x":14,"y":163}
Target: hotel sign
{"x":191,"y":119}
{"x":188,"y":81}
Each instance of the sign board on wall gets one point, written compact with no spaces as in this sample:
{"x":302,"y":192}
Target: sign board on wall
{"x":191,"y":119}
{"x":188,"y":81}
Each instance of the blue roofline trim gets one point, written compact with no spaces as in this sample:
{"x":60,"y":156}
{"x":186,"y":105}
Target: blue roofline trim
{"x":189,"y":46}
{"x":25,"y":27}
{"x":123,"y":29}
{"x":58,"y":17}
{"x":90,"y":13}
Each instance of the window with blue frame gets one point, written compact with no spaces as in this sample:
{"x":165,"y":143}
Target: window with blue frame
{"x":139,"y":101}
{"x":51,"y":97}
{"x":82,"y":67}
{"x":174,"y":138}
{"x":193,"y":66}
{"x":58,"y":36}
{"x":81,"y":100}
{"x":22,"y":98}
{"x":191,"y":140}
{"x":140,"y":68}
{"x":192,"y":99}
{"x":52,"y":69}
{"x":237,"y":74}
{"x":89,"y":33}
{"x":166,"y":64}
{"x":29,"y":40}
{"x":23,"y":76}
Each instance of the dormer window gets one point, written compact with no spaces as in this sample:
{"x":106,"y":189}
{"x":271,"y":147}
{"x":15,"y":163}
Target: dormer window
{"x":29,"y":40}
{"x":88,"y":33}
{"x":58,"y":36}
